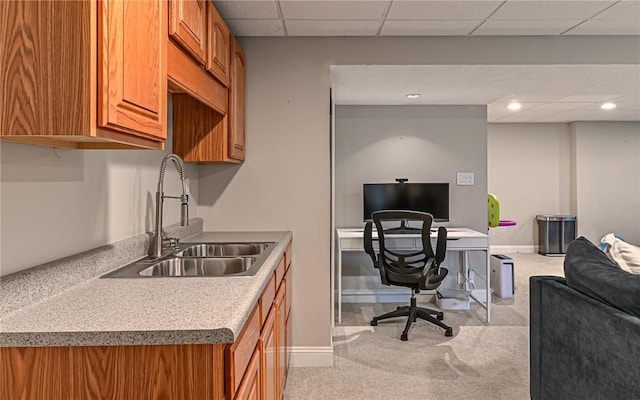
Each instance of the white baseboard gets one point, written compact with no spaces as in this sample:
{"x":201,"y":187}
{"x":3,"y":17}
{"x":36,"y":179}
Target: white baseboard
{"x":514,"y":249}
{"x":311,"y":357}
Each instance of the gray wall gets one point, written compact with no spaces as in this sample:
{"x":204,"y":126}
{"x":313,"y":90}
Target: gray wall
{"x":607,"y":169}
{"x":59,"y":202}
{"x":421,"y":143}
{"x":587,"y":169}
{"x":528,"y":168}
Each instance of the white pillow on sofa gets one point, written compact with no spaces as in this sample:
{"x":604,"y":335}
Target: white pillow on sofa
{"x":626,"y":255}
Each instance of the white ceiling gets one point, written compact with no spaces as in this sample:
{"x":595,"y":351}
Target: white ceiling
{"x":549,"y":93}
{"x":430,"y":17}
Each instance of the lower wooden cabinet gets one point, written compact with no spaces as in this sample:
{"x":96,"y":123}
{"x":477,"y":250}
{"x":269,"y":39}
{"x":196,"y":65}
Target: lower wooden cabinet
{"x":194,"y":372}
{"x":253,"y":367}
{"x":275,"y":338}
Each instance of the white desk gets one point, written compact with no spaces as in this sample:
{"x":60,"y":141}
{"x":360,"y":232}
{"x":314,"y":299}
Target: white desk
{"x":458,"y":239}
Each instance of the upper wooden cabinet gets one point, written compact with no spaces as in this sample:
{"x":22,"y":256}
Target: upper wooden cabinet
{"x":187,"y":26}
{"x":84,"y":74}
{"x":218,"y":36}
{"x":132,"y":73}
{"x":204,"y":132}
{"x":237,"y":103}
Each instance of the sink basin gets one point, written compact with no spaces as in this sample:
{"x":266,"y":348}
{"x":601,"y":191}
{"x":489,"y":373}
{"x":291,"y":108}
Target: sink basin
{"x":216,"y":259}
{"x":222,"y":249}
{"x":199,"y":266}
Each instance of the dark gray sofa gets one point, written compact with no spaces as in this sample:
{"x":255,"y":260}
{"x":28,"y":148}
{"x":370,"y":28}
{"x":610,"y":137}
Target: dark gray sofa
{"x":585,"y":346}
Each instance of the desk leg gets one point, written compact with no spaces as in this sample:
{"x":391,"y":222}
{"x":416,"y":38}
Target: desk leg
{"x":488,"y":286}
{"x":338,"y":283}
{"x":487,"y":303}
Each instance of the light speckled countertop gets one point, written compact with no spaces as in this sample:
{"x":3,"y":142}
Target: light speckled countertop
{"x":147,"y":311}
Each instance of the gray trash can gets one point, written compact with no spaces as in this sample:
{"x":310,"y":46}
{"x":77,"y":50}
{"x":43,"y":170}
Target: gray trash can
{"x":555,"y":232}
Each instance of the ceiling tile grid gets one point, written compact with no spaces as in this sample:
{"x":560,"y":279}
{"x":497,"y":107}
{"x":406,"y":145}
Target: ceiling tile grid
{"x":431,"y":17}
{"x":548,"y":93}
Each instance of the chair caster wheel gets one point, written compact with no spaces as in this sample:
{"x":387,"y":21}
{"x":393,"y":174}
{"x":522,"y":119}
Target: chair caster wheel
{"x":404,"y":337}
{"x":374,"y":322}
{"x":440,"y":317}
{"x":448,"y":332}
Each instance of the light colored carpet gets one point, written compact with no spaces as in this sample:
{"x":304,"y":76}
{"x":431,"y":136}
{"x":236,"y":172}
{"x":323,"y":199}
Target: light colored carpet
{"x":481,"y":361}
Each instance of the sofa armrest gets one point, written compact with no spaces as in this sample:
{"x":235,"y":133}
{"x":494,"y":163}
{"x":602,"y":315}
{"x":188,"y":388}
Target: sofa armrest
{"x":580,"y":348}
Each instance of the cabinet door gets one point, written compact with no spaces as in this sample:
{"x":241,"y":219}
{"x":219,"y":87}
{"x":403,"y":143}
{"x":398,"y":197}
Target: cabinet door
{"x":218,"y":50}
{"x":187,"y":26}
{"x":268,"y":351}
{"x":132,"y":67}
{"x":237,"y":103}
{"x":281,"y":326}
{"x":250,"y":386}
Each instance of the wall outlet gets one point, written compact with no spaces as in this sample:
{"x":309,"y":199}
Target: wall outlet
{"x":465,"y":178}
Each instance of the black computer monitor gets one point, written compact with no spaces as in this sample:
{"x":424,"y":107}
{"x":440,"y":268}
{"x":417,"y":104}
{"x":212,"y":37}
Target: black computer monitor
{"x":432,"y":198}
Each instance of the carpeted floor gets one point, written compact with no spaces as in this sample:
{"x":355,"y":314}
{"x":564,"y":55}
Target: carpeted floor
{"x":481,"y":361}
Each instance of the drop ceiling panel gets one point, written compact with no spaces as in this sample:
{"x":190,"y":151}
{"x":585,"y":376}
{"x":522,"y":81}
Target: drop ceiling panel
{"x":625,"y":9}
{"x":256,"y":27}
{"x":525,"y":27}
{"x":428,"y":28}
{"x":332,"y":28}
{"x":247,"y":9}
{"x":445,"y":10}
{"x":347,"y":10}
{"x":607,"y":27}
{"x":554,"y":9}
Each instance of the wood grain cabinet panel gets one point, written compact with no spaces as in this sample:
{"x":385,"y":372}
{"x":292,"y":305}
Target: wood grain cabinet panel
{"x":250,"y":386}
{"x":133,"y":68}
{"x":83,"y":74}
{"x":237,"y":148}
{"x":240,"y":352}
{"x":218,"y":45}
{"x":113,"y":372}
{"x":268,"y":353}
{"x":187,"y":26}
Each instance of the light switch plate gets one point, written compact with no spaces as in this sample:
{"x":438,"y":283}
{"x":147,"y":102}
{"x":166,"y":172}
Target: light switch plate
{"x":465,"y":178}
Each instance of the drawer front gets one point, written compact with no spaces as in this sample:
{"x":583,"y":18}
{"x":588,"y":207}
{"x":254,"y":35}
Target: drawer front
{"x":392,"y":243}
{"x":241,"y":350}
{"x":266,"y":300}
{"x":467,"y":243}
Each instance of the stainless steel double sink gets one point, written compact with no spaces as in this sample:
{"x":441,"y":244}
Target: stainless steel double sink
{"x":201,"y":260}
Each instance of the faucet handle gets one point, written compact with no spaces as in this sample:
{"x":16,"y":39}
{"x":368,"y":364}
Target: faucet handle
{"x":171,"y":243}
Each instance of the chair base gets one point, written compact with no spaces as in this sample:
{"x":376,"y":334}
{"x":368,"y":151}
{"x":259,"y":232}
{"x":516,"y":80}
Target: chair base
{"x":414,"y":312}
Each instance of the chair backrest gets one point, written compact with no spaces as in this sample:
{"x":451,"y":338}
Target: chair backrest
{"x":417,"y":268}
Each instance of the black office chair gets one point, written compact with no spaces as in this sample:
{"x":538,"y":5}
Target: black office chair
{"x":416,"y":269}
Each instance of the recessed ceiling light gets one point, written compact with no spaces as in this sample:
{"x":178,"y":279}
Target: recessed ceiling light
{"x":608,"y":106}
{"x":514,"y":106}
{"x":413,"y":95}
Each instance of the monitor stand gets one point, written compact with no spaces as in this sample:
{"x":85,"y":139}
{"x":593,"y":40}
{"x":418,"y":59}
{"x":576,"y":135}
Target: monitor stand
{"x":404,"y":229}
